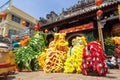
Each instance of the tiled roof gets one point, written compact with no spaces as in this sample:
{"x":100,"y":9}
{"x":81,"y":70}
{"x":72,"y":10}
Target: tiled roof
{"x":84,"y":11}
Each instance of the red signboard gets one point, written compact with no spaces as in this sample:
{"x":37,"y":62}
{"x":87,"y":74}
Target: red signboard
{"x":78,"y":28}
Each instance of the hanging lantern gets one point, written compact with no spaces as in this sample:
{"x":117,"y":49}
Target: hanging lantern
{"x":46,"y":31}
{"x":6,"y":35}
{"x":99,"y":13}
{"x":98,"y":2}
{"x":36,"y":28}
{"x":22,"y":38}
{"x":3,"y":15}
{"x":17,"y":36}
{"x":24,"y":23}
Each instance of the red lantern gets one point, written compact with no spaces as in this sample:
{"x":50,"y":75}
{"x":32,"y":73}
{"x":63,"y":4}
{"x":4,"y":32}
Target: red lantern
{"x":17,"y":37}
{"x":3,"y":15}
{"x":36,"y":28}
{"x":6,"y":35}
{"x":99,"y":13}
{"x":23,"y":38}
{"x":24,"y":23}
{"x":46,"y":31}
{"x":98,"y":2}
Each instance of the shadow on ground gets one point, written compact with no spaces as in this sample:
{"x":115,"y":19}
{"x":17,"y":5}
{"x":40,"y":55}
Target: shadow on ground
{"x":10,"y":77}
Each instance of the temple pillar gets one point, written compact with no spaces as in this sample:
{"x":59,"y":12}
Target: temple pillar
{"x":100,"y":32}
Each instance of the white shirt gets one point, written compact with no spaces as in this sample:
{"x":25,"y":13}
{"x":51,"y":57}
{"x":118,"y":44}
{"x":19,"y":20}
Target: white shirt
{"x":113,"y":60}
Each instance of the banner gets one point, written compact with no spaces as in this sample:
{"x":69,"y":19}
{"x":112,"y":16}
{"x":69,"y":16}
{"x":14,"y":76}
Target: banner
{"x":5,"y":6}
{"x":78,"y":28}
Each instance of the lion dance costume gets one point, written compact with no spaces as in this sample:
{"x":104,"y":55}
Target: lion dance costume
{"x":74,"y":59}
{"x":55,"y":55}
{"x":94,"y":59}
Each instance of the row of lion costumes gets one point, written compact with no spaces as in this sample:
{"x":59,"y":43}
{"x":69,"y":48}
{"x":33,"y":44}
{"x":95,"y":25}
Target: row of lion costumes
{"x":82,"y":58}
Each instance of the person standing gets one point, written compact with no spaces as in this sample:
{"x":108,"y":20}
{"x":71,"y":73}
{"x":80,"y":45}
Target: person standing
{"x":112,"y":63}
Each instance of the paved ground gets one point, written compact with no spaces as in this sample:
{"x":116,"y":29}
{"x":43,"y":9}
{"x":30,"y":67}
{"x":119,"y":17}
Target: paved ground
{"x":114,"y":74}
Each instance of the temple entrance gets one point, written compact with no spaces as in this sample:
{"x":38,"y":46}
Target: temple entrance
{"x":72,"y":36}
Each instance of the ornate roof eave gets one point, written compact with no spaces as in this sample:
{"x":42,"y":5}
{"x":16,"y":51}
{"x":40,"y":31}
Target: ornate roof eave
{"x":85,"y":14}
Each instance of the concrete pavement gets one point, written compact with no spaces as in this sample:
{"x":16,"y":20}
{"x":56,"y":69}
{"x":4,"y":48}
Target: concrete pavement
{"x":114,"y":74}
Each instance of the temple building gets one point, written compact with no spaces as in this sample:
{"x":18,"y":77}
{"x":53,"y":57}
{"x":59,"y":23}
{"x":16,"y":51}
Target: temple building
{"x":81,"y":19}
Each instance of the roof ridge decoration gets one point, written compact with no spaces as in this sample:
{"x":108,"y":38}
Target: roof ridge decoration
{"x":79,"y":10}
